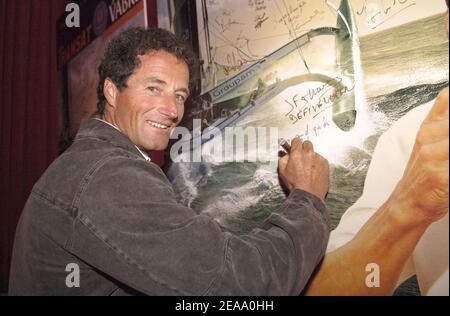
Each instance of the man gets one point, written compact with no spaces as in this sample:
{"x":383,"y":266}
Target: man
{"x":103,"y":219}
{"x":400,"y":223}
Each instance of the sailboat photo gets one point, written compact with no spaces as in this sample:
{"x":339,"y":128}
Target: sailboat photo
{"x":246,"y":91}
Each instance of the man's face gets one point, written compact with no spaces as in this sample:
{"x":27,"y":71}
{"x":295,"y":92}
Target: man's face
{"x":153,"y":103}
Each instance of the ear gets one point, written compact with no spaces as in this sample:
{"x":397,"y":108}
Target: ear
{"x":111,"y":92}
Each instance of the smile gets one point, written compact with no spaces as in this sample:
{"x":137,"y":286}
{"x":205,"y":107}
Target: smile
{"x":157,"y":125}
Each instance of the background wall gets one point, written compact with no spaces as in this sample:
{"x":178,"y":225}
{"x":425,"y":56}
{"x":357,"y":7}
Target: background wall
{"x":30,"y":111}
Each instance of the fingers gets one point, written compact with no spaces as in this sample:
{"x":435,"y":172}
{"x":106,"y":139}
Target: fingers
{"x":298,"y":149}
{"x":325,"y":161}
{"x":308,"y":146}
{"x":304,"y":169}
{"x":296,"y":144}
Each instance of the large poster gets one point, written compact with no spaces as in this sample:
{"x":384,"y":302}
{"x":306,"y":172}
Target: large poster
{"x":338,"y":73}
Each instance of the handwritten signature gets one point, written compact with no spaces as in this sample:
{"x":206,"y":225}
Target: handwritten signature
{"x":294,"y":20}
{"x":260,"y":5}
{"x":260,"y":20}
{"x":319,"y":126}
{"x":225,"y":21}
{"x":377,"y":15}
{"x":302,"y":107}
{"x":240,"y":56}
{"x":292,"y":13}
{"x":235,"y":61}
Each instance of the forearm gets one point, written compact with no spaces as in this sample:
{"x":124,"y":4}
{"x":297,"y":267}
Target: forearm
{"x":419,"y":199}
{"x":384,"y":241}
{"x":280,"y":256}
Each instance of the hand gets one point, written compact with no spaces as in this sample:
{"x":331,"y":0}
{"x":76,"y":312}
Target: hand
{"x":421,"y":197}
{"x":304,"y":169}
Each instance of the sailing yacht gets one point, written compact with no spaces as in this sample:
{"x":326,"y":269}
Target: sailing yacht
{"x":223,"y":104}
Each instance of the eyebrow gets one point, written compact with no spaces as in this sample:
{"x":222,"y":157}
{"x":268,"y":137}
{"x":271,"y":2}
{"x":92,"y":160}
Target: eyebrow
{"x":163,"y":83}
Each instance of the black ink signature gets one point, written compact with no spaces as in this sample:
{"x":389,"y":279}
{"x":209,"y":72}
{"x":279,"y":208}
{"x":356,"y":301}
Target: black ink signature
{"x":312,"y":93}
{"x":260,"y":20}
{"x":225,"y":22}
{"x":292,"y":14}
{"x":307,"y":109}
{"x":316,"y":13}
{"x":316,"y":128}
{"x":384,"y":13}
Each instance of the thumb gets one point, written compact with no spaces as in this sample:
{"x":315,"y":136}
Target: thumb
{"x":440,"y":107}
{"x":282,"y":163}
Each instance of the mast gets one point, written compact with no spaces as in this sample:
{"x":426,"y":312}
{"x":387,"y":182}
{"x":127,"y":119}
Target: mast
{"x":206,"y":30}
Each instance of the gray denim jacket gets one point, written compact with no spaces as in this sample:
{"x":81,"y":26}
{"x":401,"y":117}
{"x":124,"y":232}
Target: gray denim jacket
{"x":101,"y":206}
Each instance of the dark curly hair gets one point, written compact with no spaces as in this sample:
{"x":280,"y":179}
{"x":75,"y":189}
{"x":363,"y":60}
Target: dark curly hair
{"x":121,"y":57}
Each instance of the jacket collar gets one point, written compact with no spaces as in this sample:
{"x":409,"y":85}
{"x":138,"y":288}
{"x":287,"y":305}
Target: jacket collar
{"x":96,"y":128}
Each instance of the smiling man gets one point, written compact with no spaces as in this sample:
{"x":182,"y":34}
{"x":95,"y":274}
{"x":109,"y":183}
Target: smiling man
{"x":103,"y":219}
{"x":153,"y":104}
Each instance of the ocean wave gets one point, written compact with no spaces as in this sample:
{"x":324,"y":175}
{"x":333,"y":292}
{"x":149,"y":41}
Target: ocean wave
{"x":396,"y":104}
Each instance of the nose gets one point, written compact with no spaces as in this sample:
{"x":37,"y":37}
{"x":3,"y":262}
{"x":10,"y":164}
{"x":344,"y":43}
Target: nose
{"x":170,"y":108}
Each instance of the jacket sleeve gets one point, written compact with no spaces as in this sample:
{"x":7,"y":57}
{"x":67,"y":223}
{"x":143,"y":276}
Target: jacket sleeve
{"x":130,"y":227}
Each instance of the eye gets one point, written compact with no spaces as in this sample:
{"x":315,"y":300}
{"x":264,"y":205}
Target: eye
{"x":181,"y":98}
{"x":153,"y":89}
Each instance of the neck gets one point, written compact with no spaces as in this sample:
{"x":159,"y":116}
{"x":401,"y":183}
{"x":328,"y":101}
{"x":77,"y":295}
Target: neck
{"x":107,"y":117}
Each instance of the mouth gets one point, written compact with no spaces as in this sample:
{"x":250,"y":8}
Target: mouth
{"x":158,"y":125}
